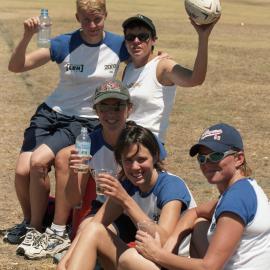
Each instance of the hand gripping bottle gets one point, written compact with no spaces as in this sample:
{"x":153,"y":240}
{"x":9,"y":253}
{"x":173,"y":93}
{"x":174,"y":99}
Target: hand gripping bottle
{"x":44,"y":33}
{"x":83,"y":146}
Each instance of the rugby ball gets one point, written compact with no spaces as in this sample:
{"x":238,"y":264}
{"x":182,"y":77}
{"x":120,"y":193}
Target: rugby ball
{"x":203,"y":11}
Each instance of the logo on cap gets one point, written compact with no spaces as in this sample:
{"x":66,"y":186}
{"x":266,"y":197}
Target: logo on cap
{"x":216,"y":134}
{"x":110,"y":86}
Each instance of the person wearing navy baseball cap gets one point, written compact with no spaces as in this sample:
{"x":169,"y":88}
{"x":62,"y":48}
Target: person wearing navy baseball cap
{"x":235,"y":231}
{"x":219,"y":138}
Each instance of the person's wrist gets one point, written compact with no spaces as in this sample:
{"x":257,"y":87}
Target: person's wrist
{"x":27,"y":36}
{"x":157,"y":258}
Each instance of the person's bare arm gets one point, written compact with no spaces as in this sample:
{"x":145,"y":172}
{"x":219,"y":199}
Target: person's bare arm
{"x":169,"y":72}
{"x":20,"y":61}
{"x":76,"y":185}
{"x":168,"y":219}
{"x":187,"y":222}
{"x":222,"y":246}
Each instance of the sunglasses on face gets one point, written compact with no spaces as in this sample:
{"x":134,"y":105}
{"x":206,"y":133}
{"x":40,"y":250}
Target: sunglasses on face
{"x":214,"y":157}
{"x":111,"y":108}
{"x":142,"y":37}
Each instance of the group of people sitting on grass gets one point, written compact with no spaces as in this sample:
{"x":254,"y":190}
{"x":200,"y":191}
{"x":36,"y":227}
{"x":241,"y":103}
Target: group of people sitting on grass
{"x":127,"y":123}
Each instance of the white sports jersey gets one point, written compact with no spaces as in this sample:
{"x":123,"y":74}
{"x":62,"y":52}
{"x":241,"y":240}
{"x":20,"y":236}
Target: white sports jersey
{"x":152,"y":102}
{"x":168,"y":187}
{"x":246,"y":199}
{"x":83,"y":67}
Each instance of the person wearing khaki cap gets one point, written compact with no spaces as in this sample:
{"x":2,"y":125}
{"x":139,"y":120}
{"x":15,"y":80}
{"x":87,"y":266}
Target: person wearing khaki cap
{"x":143,"y":191}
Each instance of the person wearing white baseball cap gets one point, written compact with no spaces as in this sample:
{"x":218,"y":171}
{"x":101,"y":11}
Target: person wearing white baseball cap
{"x":235,"y":230}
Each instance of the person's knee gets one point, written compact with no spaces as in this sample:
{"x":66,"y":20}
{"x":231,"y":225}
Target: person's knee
{"x":84,"y":224}
{"x":22,"y":171}
{"x":126,"y":258}
{"x":23,"y":165}
{"x":93,"y":229}
{"x":41,"y":159}
{"x":61,"y":159}
{"x":38,"y":165}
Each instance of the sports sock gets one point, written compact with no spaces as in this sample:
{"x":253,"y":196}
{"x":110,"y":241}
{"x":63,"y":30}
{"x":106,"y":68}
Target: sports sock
{"x":58,"y":229}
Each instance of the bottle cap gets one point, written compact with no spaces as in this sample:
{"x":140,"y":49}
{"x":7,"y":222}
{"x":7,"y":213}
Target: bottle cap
{"x":44,"y":11}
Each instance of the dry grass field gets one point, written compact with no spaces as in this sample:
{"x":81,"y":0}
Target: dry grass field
{"x":236,"y":89}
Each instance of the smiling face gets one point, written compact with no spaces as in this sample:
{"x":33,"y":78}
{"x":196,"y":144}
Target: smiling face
{"x":139,"y":49}
{"x":138,"y":165}
{"x":224,"y":172}
{"x":113,"y":114}
{"x":92,"y":24}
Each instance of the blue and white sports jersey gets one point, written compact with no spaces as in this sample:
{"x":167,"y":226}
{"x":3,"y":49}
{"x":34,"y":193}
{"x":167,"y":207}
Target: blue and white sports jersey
{"x":83,"y":67}
{"x":102,"y":153}
{"x":168,"y":188}
{"x":246,"y":199}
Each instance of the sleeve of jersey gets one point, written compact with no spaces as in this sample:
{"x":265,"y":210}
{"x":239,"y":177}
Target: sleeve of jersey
{"x":130,"y":189}
{"x":240,"y":200}
{"x":124,"y":55}
{"x":173,"y":188}
{"x":96,"y":141}
{"x":62,"y":45}
{"x":117,"y":44}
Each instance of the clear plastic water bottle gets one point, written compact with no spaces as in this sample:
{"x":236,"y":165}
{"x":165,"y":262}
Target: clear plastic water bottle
{"x":83,"y":146}
{"x":44,"y":33}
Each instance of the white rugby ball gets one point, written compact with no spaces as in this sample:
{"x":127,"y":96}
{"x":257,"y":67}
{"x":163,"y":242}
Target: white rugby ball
{"x":203,"y":11}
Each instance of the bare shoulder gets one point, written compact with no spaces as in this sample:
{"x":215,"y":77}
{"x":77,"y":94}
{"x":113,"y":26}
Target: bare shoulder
{"x":164,"y":68}
{"x":166,"y":64}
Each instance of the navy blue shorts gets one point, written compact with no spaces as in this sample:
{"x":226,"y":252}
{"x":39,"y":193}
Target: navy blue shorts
{"x":54,"y":129}
{"x":126,"y":228}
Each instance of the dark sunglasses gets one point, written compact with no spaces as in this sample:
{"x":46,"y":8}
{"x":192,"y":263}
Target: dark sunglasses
{"x":142,"y":37}
{"x":111,"y":108}
{"x":214,"y":157}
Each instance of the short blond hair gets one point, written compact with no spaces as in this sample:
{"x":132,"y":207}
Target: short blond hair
{"x":91,"y":5}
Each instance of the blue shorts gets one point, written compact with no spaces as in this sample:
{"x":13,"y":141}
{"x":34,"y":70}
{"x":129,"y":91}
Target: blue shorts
{"x":54,"y":129}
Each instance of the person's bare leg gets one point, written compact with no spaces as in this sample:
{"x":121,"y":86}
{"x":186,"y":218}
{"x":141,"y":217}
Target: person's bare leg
{"x":41,"y":159}
{"x":64,"y":261}
{"x":199,"y":242}
{"x":130,"y":259}
{"x":62,"y":207}
{"x":22,"y":183}
{"x":96,"y":240}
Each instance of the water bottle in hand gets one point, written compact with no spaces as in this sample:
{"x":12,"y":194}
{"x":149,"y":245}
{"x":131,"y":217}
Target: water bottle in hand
{"x":44,"y":33}
{"x":83,"y":146}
